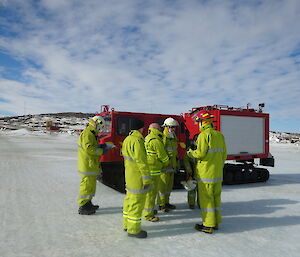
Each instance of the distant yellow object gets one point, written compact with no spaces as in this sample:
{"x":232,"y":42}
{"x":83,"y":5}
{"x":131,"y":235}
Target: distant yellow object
{"x":48,"y":123}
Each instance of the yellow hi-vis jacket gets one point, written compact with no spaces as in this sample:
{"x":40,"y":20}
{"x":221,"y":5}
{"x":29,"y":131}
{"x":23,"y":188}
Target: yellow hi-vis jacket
{"x":88,"y":152}
{"x":135,"y":159}
{"x":210,"y":155}
{"x":171,"y":145}
{"x":156,"y":153}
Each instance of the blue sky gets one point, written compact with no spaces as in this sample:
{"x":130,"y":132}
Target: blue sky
{"x":150,"y":56}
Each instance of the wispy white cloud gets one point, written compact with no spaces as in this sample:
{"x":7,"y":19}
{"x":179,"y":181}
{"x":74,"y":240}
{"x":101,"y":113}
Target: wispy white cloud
{"x":158,"y":56}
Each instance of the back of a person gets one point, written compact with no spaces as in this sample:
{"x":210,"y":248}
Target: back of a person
{"x":126,"y":146}
{"x":151,"y":141}
{"x":132,"y":173}
{"x":86,"y":161}
{"x":212,"y":164}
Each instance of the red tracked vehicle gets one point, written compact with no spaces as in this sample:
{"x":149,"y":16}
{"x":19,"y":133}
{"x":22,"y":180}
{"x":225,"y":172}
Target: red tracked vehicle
{"x":117,"y":128}
{"x":246,"y":133}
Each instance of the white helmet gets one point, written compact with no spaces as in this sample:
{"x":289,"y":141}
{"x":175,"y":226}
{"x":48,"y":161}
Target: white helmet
{"x":189,"y":185}
{"x":98,"y":122}
{"x":170,"y":122}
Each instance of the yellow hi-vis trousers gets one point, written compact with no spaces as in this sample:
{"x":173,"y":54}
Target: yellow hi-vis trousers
{"x":165,"y":187}
{"x":132,"y":211}
{"x":148,"y":211}
{"x":210,"y":203}
{"x":87,"y":188}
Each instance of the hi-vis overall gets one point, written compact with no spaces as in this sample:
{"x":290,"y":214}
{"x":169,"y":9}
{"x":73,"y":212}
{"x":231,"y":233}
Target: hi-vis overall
{"x":210,"y":155}
{"x":137,"y":177}
{"x":167,"y":176}
{"x":157,"y":159}
{"x":88,"y":164}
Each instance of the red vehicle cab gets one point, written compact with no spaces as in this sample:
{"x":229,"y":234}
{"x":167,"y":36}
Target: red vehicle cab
{"x":117,"y":128}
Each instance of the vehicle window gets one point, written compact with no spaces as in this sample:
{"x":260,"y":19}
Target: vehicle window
{"x":124,"y":125}
{"x":107,"y":127}
{"x":160,"y":121}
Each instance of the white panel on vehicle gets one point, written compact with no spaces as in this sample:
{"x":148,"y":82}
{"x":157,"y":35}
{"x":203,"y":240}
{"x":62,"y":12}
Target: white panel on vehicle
{"x":243,"y":135}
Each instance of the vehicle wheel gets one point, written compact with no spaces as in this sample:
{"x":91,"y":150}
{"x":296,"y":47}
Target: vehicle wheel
{"x":266,"y":175}
{"x":263,"y":175}
{"x":238,"y":177}
{"x":228,"y":178}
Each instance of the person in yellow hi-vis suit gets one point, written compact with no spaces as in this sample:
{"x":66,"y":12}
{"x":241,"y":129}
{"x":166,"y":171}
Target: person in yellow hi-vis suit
{"x":89,"y":153}
{"x":137,"y":179}
{"x":166,"y":181}
{"x":157,"y":159}
{"x":210,"y":154}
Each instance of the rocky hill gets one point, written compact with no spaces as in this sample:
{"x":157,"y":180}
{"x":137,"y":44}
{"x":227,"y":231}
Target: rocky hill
{"x":60,"y":122}
{"x":74,"y":122}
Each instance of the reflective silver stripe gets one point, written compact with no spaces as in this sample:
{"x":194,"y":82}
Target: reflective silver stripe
{"x":215,"y":150}
{"x":89,"y":173}
{"x":211,"y":209}
{"x":137,"y":191}
{"x":188,"y":168}
{"x":208,"y":210}
{"x":168,"y":170}
{"x":86,"y":196}
{"x":209,"y":179}
{"x":148,"y":210}
{"x":171,"y":149}
{"x":192,"y":194}
{"x":146,"y":177}
{"x":128,"y":158}
{"x":151,"y":153}
{"x":134,"y":220}
{"x":161,"y":194}
{"x":96,"y":149}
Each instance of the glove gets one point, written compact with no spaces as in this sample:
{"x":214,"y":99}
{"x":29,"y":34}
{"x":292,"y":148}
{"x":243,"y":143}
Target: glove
{"x":106,"y":147}
{"x":110,"y":146}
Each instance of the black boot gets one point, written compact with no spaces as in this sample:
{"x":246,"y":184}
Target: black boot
{"x":141,"y":234}
{"x":93,"y":207}
{"x":201,"y":228}
{"x":163,"y":208}
{"x":170,"y":206}
{"x":86,"y":209}
{"x":96,"y":207}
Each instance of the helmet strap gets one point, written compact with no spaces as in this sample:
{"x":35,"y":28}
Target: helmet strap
{"x":166,"y":130}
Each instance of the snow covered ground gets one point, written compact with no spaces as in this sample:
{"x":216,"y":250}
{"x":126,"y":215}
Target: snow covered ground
{"x":38,"y":190}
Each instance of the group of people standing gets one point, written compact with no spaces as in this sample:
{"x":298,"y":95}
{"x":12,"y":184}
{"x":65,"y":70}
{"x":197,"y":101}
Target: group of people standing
{"x":150,"y":164}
